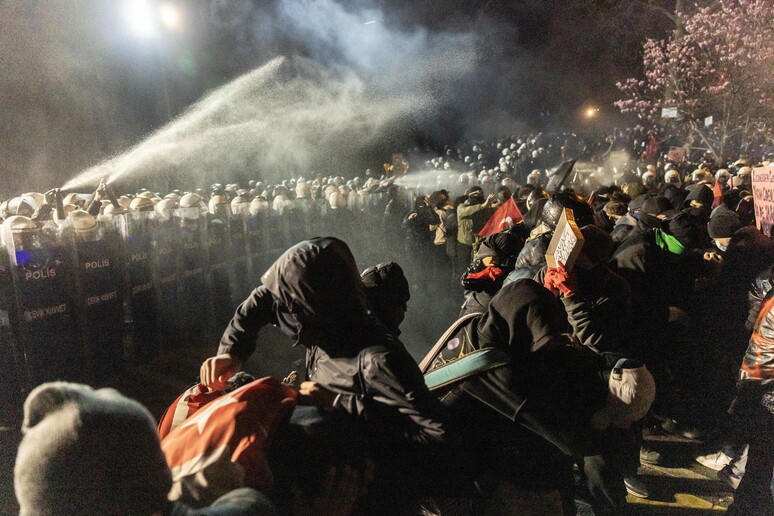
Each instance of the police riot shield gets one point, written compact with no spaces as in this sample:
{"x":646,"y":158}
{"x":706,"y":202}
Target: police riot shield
{"x":258,"y":235}
{"x":221,"y":273}
{"x":240,"y":258}
{"x":99,"y":300}
{"x":196,"y":296}
{"x":45,"y":334}
{"x":256,"y":247}
{"x":138,"y":255}
{"x":279,"y":229}
{"x":167,"y":265}
{"x":11,"y":374}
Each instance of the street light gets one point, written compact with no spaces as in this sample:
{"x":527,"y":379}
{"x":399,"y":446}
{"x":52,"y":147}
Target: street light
{"x":591,"y":112}
{"x":141,"y":18}
{"x":147,"y":18}
{"x":169,"y":15}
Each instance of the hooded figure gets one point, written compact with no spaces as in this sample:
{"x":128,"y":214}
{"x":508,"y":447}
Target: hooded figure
{"x":699,"y":202}
{"x":494,"y":261}
{"x":387,"y":290}
{"x":314,"y":294}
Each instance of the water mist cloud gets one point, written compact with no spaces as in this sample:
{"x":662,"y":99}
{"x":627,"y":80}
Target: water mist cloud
{"x":296,"y":115}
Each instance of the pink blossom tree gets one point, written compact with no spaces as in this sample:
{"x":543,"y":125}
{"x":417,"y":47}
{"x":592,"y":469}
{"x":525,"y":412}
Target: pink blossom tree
{"x":719,"y":62}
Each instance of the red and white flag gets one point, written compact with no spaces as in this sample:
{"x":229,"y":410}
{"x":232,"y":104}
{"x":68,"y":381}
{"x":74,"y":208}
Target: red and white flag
{"x":505,"y":216}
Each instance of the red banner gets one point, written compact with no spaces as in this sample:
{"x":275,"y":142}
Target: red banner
{"x":505,"y":216}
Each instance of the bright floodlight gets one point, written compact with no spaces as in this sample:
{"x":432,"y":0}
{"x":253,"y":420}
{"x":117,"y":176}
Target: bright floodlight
{"x":170,"y":16}
{"x":590,"y":112}
{"x":141,"y":18}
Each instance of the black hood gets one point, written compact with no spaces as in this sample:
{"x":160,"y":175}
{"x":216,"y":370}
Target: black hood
{"x":521,"y":318}
{"x":701,"y":193}
{"x":504,"y":246}
{"x":318,"y":282}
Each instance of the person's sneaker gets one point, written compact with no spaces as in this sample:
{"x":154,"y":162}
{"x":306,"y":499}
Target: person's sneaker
{"x":636,"y":487}
{"x":650,"y":456}
{"x":728,"y":477}
{"x":716,"y":461}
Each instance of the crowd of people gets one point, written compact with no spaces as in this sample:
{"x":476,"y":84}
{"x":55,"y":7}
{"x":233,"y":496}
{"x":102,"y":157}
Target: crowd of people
{"x":548,"y":376}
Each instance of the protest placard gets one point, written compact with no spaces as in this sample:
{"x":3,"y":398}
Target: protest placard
{"x":763,"y":196}
{"x":567,"y":242}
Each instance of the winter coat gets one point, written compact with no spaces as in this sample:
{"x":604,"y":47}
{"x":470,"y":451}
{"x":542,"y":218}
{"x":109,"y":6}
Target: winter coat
{"x":465,"y":212}
{"x":314,"y":294}
{"x":622,"y":228}
{"x":758,"y":362}
{"x":555,"y":383}
{"x":600,"y":312}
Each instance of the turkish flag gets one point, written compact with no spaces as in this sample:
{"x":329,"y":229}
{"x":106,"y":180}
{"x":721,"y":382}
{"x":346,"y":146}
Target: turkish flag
{"x":505,"y":216}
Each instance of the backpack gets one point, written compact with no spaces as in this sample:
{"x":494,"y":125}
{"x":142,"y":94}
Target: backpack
{"x":456,"y":355}
{"x":224,"y":445}
{"x":193,"y":399}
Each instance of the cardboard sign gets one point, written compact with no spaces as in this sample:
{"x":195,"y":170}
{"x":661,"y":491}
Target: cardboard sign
{"x":763,"y":198}
{"x":567,"y":242}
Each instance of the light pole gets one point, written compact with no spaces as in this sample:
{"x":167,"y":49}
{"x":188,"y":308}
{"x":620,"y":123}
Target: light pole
{"x":146,"y":18}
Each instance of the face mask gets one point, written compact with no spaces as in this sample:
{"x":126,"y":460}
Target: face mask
{"x":721,"y":246}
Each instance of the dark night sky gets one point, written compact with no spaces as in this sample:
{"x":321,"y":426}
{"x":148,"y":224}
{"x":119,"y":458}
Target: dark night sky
{"x":78,"y":86}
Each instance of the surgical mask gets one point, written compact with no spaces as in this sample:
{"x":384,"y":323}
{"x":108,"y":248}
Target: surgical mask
{"x":720,"y":246}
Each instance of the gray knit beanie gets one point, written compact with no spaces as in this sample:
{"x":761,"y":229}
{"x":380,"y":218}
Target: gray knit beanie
{"x":88,"y":452}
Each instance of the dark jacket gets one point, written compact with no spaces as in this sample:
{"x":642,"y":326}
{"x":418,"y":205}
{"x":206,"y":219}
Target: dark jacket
{"x":548,"y":381}
{"x":314,"y":294}
{"x":658,"y":278}
{"x":600,"y":312}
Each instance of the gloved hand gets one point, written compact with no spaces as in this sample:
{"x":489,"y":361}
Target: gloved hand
{"x":558,"y":280}
{"x":491,"y":273}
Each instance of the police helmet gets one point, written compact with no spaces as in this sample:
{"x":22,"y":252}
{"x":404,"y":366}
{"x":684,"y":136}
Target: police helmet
{"x":82,"y":221}
{"x":142,"y":203}
{"x":21,"y":206}
{"x":218,"y":204}
{"x":672,"y":176}
{"x":164,"y":208}
{"x":554,"y":208}
{"x":111,"y":210}
{"x":258,"y":205}
{"x":20,"y":224}
{"x":38,"y":197}
{"x":240,"y":205}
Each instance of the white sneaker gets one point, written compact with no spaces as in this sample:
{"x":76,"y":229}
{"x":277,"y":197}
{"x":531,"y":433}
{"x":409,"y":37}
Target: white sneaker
{"x":714,"y":461}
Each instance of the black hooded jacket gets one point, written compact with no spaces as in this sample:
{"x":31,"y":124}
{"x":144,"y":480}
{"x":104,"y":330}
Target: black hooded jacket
{"x":313,"y":293}
{"x":550,"y":387}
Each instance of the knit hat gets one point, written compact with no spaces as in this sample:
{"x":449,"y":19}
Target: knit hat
{"x":724,"y":224}
{"x":88,"y":452}
{"x":656,"y":205}
{"x":631,"y":391}
{"x":386,"y":282}
{"x":636,"y":203}
{"x":700,"y":193}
